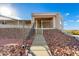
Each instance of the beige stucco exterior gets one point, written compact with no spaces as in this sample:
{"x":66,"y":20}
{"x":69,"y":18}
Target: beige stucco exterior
{"x":47,"y":21}
{"x":40,"y":21}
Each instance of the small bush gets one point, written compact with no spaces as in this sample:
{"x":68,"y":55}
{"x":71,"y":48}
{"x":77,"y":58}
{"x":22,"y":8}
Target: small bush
{"x":74,"y":32}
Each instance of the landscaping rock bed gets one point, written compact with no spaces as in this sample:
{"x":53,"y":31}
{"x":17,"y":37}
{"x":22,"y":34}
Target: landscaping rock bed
{"x":12,"y":50}
{"x":61,"y":44}
{"x":9,"y":37}
{"x":15,"y":49}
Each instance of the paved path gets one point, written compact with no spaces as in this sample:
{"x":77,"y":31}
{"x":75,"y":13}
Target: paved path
{"x":39,"y":46}
{"x":40,"y":51}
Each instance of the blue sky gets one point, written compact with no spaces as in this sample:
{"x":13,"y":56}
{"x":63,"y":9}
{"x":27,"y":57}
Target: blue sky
{"x":69,"y":12}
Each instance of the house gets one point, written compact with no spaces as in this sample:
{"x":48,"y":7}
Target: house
{"x":20,"y":32}
{"x":40,"y":21}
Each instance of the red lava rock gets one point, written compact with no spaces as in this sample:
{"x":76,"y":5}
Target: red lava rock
{"x":61,"y":44}
{"x":11,"y":50}
{"x":14,"y":36}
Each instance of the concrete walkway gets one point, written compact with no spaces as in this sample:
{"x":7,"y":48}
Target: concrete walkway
{"x":40,"y":51}
{"x":39,"y":46}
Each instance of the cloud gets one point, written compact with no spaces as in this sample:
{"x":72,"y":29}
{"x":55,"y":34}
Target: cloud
{"x":71,"y":28}
{"x":16,"y":17}
{"x":70,"y":21}
{"x":65,"y":23}
{"x":67,"y":14}
{"x":5,"y":4}
{"x":8,"y":10}
{"x":77,"y":20}
{"x":71,"y":24}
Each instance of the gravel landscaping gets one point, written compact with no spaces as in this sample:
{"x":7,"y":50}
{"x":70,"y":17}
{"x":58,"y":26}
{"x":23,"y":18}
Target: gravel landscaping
{"x":61,"y":44}
{"x":12,"y":41}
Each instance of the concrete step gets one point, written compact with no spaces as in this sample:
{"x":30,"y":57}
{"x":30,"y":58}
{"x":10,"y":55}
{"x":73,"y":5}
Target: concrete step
{"x":40,"y":51}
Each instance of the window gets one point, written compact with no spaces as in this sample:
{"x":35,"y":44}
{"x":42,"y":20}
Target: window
{"x":2,"y":22}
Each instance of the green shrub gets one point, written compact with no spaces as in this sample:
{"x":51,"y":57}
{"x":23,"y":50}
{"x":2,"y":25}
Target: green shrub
{"x":74,"y":32}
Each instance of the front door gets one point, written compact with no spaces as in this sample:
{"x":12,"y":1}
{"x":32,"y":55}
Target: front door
{"x":38,"y":26}
{"x":38,"y":23}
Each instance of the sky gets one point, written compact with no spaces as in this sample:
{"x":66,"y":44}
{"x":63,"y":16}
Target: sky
{"x":68,"y":11}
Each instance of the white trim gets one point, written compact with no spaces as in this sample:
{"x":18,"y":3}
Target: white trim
{"x":13,"y":26}
{"x":44,"y":28}
{"x":54,"y":22}
{"x":44,"y":14}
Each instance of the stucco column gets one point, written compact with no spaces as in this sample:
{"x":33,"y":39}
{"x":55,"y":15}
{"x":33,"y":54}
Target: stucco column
{"x":41,"y":24}
{"x":54,"y":26}
{"x":36,"y":26}
{"x":33,"y":21}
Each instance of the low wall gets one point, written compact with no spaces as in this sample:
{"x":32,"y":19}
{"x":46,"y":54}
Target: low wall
{"x":13,"y":35}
